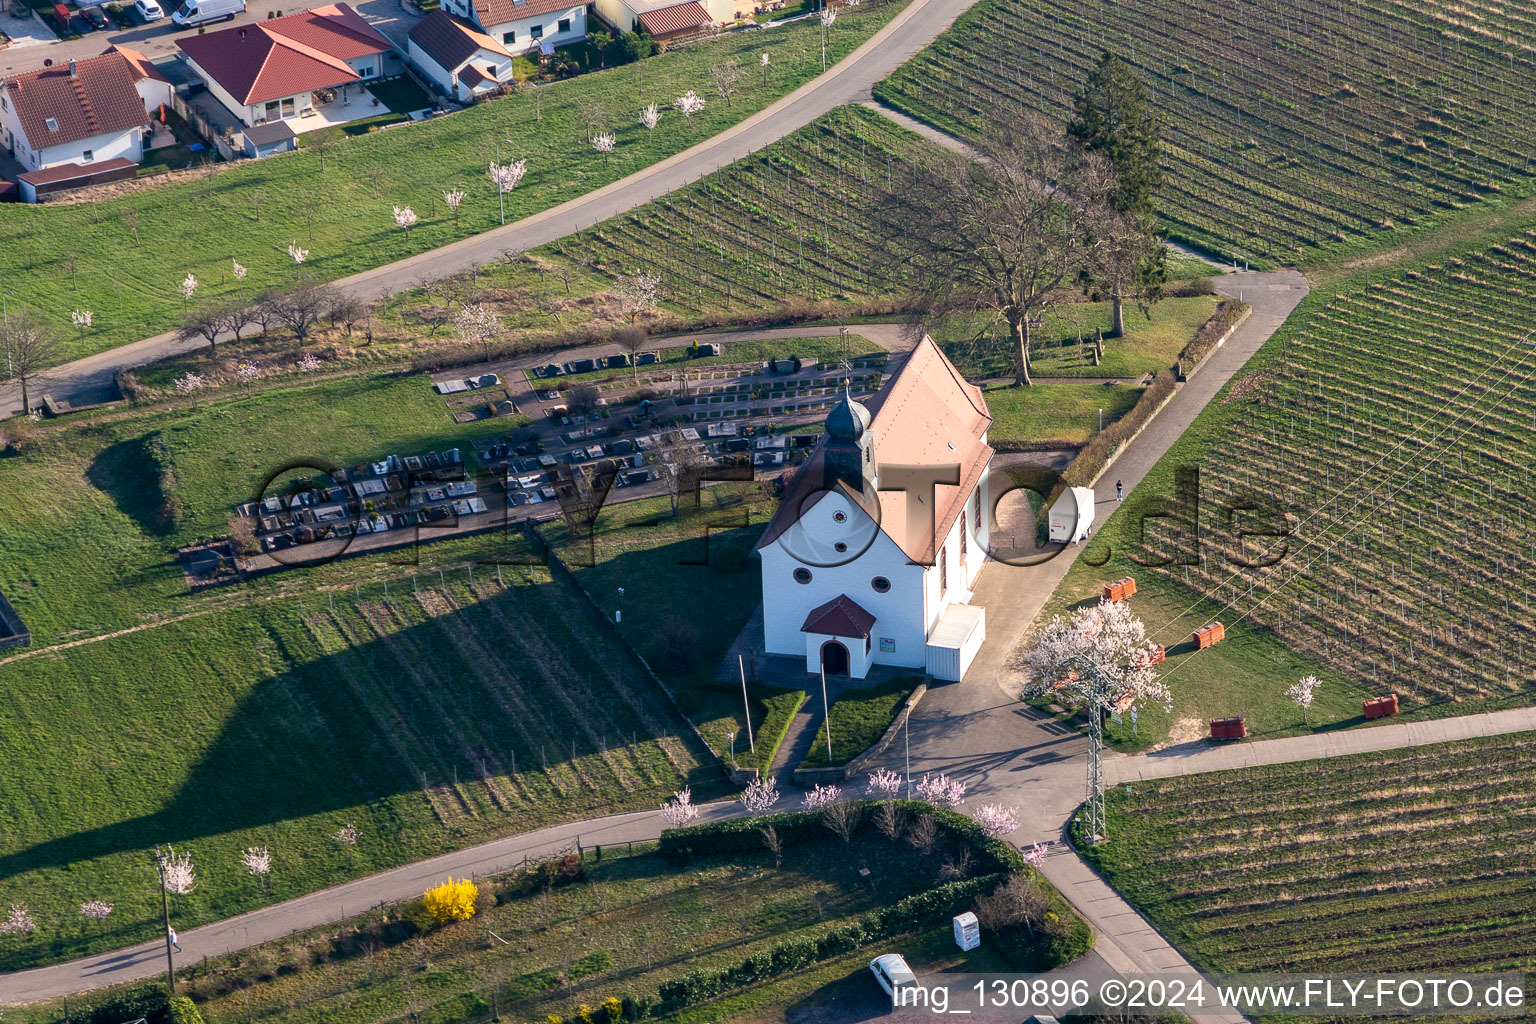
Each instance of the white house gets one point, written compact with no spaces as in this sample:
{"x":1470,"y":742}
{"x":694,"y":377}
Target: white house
{"x":667,"y":19}
{"x":524,"y":26}
{"x":82,"y":113}
{"x":871,"y":556}
{"x":270,"y":70}
{"x":457,"y":57}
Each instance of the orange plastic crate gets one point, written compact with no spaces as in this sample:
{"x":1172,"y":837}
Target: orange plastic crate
{"x":1380,"y":707}
{"x":1120,"y":589}
{"x":1205,"y":636}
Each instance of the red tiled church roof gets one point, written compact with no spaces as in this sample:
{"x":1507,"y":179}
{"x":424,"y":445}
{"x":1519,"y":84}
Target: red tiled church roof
{"x":841,"y":616}
{"x":286,"y":56}
{"x":926,"y":415}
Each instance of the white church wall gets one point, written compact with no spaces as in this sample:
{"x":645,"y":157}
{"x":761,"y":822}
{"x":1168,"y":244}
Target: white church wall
{"x":899,"y":613}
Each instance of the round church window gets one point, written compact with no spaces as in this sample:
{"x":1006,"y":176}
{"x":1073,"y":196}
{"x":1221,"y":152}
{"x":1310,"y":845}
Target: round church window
{"x":881,"y":584}
{"x":802,"y":575}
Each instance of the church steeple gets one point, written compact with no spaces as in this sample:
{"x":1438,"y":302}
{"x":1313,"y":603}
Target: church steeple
{"x":850,"y":454}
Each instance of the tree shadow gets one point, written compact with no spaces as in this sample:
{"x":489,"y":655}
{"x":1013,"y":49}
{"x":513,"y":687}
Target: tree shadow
{"x":425,"y":709}
{"x":126,"y":473}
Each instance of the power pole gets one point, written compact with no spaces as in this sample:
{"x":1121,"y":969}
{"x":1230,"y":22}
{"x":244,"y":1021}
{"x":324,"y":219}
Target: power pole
{"x":1095,"y":830}
{"x":165,"y":909}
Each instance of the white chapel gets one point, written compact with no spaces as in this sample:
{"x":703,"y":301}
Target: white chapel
{"x":871,"y":556}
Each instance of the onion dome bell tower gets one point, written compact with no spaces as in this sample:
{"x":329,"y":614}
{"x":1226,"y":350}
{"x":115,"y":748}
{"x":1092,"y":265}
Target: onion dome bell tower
{"x":850,"y":447}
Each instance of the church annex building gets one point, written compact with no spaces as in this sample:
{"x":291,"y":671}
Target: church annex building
{"x":871,"y":556}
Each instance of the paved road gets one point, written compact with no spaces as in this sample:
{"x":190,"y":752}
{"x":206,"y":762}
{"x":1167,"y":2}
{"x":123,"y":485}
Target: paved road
{"x":848,"y":81}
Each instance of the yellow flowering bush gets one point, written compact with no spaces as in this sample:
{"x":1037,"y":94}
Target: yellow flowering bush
{"x":452,"y":901}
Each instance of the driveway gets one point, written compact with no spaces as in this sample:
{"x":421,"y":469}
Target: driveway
{"x":848,"y":81}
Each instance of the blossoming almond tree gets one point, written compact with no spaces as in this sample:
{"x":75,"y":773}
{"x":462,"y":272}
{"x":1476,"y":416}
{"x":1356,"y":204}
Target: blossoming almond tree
{"x":477,"y":324}
{"x":454,"y":198}
{"x":941,"y":790}
{"x":404,"y":218}
{"x":604,"y":142}
{"x":1095,"y":659}
{"x":997,"y":821}
{"x":1301,"y":693}
{"x":257,"y":860}
{"x":299,"y":255}
{"x":680,"y":810}
{"x":310,"y":363}
{"x":637,"y":294}
{"x":96,"y":910}
{"x":179,"y":877}
{"x":18,"y":921}
{"x":689,"y":103}
{"x":883,"y":784}
{"x":822,"y":797}
{"x":759,"y":796}
{"x":238,"y":269}
{"x":82,"y":318}
{"x":187,"y":287}
{"x":505,"y":177}
{"x":650,"y":117}
{"x":190,"y":382}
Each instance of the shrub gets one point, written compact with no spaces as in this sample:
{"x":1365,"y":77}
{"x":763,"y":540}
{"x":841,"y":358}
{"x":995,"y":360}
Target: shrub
{"x":613,"y":1010}
{"x":183,"y":1011}
{"x":147,"y":1001}
{"x":452,"y":901}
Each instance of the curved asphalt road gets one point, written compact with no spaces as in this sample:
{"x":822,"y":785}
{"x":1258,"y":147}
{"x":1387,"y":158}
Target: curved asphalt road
{"x":848,"y":81}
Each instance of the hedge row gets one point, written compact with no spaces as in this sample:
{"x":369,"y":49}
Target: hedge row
{"x":1227,"y":313}
{"x":793,"y":954}
{"x":741,"y":835}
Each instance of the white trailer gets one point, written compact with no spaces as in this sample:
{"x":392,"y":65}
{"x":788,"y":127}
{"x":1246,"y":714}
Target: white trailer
{"x":1072,"y":516}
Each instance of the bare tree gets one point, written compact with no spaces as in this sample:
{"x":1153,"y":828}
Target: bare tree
{"x":300,"y":308}
{"x":726,"y":76}
{"x":923,"y":833}
{"x":130,"y":219}
{"x":207,"y":320}
{"x":842,"y":819}
{"x":581,"y":400}
{"x":344,"y":311}
{"x":320,"y":144}
{"x":30,"y":345}
{"x":263,"y":311}
{"x":1130,"y":264}
{"x":633,"y":341}
{"x":1002,"y":232}
{"x":774,"y":844}
{"x":1018,"y":901}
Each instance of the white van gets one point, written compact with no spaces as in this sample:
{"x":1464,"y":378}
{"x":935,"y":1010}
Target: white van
{"x":200,"y":12}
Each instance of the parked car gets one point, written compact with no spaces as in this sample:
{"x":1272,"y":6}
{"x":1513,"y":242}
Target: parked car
{"x":200,"y":12}
{"x":94,"y":16}
{"x":148,"y":10}
{"x":891,"y":971}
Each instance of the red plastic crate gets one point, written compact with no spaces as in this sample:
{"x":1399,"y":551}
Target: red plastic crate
{"x":1228,"y":728}
{"x":1380,"y":707}
{"x":1206,"y":636}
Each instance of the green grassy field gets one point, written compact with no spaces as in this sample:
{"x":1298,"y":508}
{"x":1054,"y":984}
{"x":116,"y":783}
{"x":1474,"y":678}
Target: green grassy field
{"x":1378,"y":402}
{"x":342,"y":214}
{"x":1065,"y":412}
{"x":859,"y":718}
{"x":629,"y":922}
{"x":431,"y":719}
{"x":982,"y":349}
{"x":89,"y":548}
{"x":686,"y":577}
{"x":1403,"y":861}
{"x":1291,"y":132}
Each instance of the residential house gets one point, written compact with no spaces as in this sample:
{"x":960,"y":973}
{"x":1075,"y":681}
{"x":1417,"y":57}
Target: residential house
{"x":82,"y":113}
{"x":869,"y":561}
{"x":270,"y":70}
{"x":667,"y":20}
{"x":457,"y":57}
{"x":525,"y":26}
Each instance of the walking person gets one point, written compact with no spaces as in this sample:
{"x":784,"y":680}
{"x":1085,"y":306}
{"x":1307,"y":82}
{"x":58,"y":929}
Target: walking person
{"x":174,"y":944}
{"x":1119,"y":491}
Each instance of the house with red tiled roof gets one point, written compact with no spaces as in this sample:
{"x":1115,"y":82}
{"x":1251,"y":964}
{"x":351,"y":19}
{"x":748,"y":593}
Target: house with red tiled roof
{"x":84,"y":112}
{"x":270,"y":70}
{"x":455,"y":56}
{"x":524,"y":26}
{"x":877,"y":542}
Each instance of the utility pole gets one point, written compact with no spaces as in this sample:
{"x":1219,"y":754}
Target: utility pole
{"x":826,"y":713}
{"x":746,"y":705}
{"x":165,"y":909}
